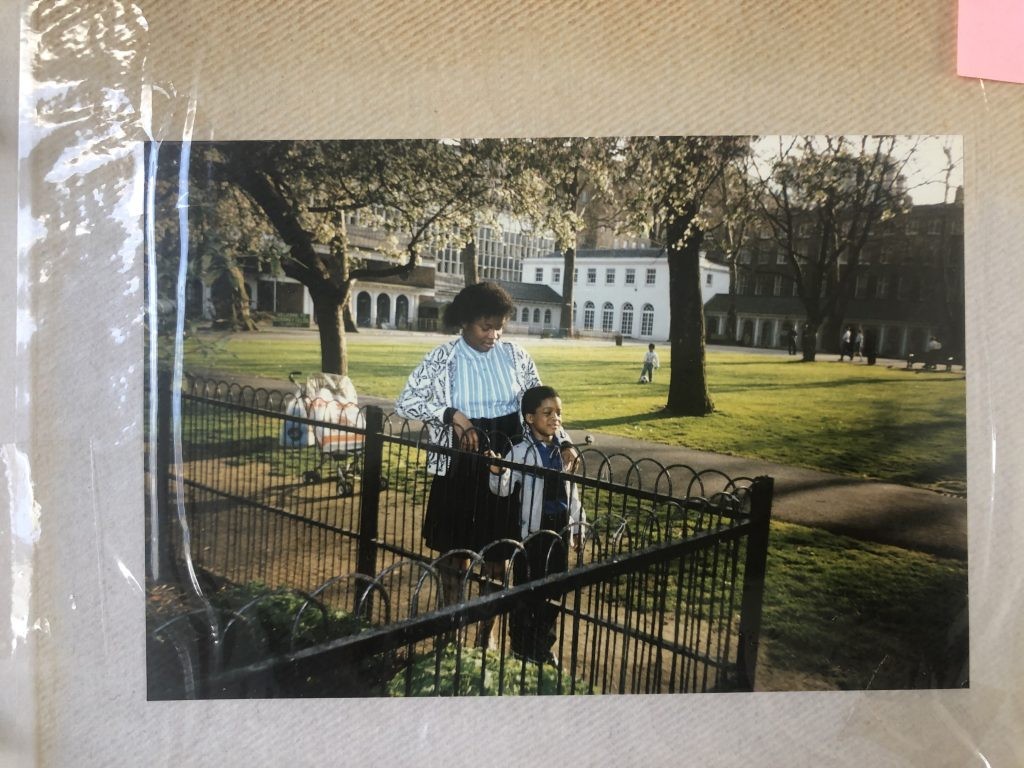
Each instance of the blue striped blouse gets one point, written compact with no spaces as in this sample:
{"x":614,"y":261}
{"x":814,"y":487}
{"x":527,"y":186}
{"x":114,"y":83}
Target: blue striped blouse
{"x":484,"y":385}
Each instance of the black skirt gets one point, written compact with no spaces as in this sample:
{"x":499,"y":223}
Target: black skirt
{"x":462,"y":512}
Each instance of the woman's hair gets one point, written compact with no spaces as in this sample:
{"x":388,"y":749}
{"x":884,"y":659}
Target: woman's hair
{"x":534,"y":396}
{"x":476,"y":301}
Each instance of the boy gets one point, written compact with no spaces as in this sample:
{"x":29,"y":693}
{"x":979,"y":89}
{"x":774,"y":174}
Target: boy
{"x":650,"y":363}
{"x":546,"y":505}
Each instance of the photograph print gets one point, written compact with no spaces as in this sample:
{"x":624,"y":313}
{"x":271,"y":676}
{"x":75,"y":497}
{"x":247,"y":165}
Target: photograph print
{"x":555,"y":416}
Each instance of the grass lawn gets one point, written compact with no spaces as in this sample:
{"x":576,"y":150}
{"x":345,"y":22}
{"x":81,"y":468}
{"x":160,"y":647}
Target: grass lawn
{"x":852,"y":419}
{"x":842,"y":614}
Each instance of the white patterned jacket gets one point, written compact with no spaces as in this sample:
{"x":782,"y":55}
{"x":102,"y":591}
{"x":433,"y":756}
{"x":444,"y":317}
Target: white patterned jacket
{"x":428,"y":392}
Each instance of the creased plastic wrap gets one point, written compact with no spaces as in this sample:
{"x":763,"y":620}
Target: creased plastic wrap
{"x":92,"y":92}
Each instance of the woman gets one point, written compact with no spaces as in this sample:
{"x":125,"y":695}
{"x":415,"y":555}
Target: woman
{"x":471,"y":388}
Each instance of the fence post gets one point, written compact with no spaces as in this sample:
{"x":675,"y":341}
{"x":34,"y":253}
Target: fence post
{"x":373,"y":466}
{"x":753,"y":581}
{"x":160,"y":552}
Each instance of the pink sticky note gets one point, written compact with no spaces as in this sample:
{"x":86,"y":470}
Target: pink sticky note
{"x":991,"y":40}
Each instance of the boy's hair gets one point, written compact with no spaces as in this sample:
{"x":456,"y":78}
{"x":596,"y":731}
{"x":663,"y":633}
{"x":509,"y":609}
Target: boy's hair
{"x":651,"y":346}
{"x":534,"y":396}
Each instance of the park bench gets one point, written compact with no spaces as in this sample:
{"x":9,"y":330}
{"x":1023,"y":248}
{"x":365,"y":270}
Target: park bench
{"x":930,"y":360}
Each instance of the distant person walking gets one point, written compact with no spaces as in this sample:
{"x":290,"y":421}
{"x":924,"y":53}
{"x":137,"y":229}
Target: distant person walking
{"x":650,"y":363}
{"x":791,"y":340}
{"x":846,"y":344}
{"x":858,"y":343}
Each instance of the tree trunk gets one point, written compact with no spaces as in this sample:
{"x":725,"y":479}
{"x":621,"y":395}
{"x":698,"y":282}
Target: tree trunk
{"x":730,"y":318}
{"x":349,"y":321}
{"x":327,"y":309}
{"x":470,"y":264}
{"x":565,"y":321}
{"x":809,"y":340}
{"x":687,"y":390}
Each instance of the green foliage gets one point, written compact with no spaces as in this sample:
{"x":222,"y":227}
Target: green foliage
{"x":275,"y":610}
{"x":427,"y":675}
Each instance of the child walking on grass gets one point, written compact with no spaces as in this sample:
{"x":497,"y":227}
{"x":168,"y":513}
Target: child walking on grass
{"x":547,"y":505}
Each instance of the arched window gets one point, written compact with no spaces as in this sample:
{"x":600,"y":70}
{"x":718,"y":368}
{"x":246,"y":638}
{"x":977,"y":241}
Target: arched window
{"x":547,"y":318}
{"x":536,"y":316}
{"x":647,"y":320}
{"x":607,"y":317}
{"x":588,"y":316}
{"x":402,"y":311}
{"x":363,"y":305}
{"x":383,"y":309}
{"x":627,"y":319}
{"x":526,"y":314}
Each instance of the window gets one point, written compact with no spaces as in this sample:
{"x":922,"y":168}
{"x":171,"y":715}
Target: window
{"x":911,"y":226}
{"x":886,"y":253}
{"x":796,"y":288}
{"x":764,"y":256}
{"x":647,"y":320}
{"x":536,"y":315}
{"x":588,"y":316}
{"x":882,"y":287}
{"x":760,"y":285}
{"x":607,"y":317}
{"x":575,"y":275}
{"x":630,"y":276}
{"x":860,"y":290}
{"x":804,"y":229}
{"x":709,"y":279}
{"x":744,"y":257}
{"x":780,"y":256}
{"x":904,"y":288}
{"x":609,"y":277}
{"x":526,"y":314}
{"x":777,"y":285}
{"x":652,"y":275}
{"x":712,"y":328}
{"x":626,"y":323}
{"x":538,"y":275}
{"x":742,"y":284}
{"x":592,"y":276}
{"x":556,"y":275}
{"x":935,"y":226}
{"x":547,"y":318}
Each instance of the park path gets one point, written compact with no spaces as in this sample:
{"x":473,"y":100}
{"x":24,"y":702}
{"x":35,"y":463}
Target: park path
{"x":869,"y":510}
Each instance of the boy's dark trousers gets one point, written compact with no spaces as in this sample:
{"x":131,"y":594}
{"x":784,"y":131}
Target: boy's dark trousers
{"x":532,"y":624}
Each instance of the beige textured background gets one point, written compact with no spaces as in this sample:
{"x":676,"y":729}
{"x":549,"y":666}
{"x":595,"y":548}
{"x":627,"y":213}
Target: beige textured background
{"x":387,"y":69}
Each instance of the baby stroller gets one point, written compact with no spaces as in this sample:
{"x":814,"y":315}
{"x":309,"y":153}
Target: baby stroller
{"x":329,"y":398}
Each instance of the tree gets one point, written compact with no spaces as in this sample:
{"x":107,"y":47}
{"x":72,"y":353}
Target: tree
{"x":734,"y":220}
{"x":671,"y":181}
{"x":560,"y":178}
{"x":417,"y":191}
{"x":822,"y":197}
{"x":224,"y":234}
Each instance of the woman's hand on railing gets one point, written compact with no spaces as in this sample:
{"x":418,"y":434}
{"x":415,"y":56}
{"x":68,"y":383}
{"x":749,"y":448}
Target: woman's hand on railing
{"x":465,"y":432}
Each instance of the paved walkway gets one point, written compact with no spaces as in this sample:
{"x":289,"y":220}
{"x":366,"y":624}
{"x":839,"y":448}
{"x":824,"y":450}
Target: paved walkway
{"x":912,"y":518}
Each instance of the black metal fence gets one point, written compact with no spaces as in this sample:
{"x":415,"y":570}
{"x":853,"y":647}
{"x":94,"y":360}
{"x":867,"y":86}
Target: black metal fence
{"x":287,"y":559}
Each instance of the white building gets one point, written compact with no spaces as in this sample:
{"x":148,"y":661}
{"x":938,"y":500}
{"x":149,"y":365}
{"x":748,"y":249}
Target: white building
{"x":621,"y":290}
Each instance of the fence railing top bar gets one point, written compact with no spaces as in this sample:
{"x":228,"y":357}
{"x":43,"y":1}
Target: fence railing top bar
{"x":448,"y":618}
{"x":199,"y":390}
